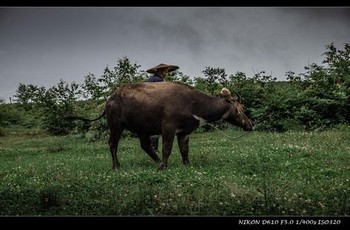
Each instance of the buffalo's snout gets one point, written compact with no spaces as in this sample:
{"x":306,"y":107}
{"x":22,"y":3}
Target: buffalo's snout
{"x":248,"y":126}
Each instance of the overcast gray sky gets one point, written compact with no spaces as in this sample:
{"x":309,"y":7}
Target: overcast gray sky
{"x":41,"y":45}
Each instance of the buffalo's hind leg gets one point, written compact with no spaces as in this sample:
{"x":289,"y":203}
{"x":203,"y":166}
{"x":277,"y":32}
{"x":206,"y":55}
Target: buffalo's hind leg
{"x":113,"y":145}
{"x":183,"y":141}
{"x":147,"y":146}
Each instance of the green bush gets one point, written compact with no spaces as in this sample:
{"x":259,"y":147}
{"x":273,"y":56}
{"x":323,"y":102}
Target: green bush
{"x":9,"y":114}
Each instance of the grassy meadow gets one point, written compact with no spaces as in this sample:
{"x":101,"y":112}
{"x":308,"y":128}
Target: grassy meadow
{"x":292,"y":173}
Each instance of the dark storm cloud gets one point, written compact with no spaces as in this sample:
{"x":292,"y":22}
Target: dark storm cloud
{"x":42,"y":45}
{"x":320,"y":13}
{"x":177,"y":33}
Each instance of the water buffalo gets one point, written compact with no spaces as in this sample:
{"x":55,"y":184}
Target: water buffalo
{"x":166,"y":109}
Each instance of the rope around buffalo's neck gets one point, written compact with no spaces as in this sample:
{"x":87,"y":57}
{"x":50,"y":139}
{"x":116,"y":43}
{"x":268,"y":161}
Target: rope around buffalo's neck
{"x":229,"y":137}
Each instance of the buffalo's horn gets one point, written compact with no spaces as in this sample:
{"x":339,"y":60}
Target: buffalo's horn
{"x":239,"y":97}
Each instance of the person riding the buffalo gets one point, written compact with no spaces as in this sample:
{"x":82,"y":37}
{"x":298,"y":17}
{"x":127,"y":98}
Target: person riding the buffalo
{"x":159,"y":73}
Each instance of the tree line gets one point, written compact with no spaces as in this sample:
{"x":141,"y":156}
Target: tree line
{"x":313,"y":100}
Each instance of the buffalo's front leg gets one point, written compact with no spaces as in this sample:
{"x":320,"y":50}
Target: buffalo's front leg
{"x":147,"y":146}
{"x":183,"y":141}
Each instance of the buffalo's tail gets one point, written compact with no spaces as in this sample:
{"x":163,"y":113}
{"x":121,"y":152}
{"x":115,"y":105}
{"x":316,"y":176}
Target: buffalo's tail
{"x":73,"y":117}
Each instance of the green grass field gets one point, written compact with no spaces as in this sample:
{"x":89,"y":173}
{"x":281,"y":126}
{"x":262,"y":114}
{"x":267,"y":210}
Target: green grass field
{"x":294,"y":173}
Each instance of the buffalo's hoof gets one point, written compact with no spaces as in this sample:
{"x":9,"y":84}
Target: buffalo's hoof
{"x":162,"y":167}
{"x":116,"y":167}
{"x":157,"y":161}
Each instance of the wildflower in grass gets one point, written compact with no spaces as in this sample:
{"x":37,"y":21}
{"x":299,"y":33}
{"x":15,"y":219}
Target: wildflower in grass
{"x":321,"y":205}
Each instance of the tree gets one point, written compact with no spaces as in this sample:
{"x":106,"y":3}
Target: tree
{"x":325,"y":90}
{"x":91,"y":88}
{"x":124,"y":72}
{"x":26,"y":95}
{"x":214,"y":78}
{"x":178,"y":76}
{"x":57,"y":102}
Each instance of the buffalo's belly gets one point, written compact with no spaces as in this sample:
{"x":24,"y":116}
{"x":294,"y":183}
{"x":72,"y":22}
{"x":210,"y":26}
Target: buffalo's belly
{"x":186,"y":127}
{"x":142,"y":127}
{"x":153,"y":123}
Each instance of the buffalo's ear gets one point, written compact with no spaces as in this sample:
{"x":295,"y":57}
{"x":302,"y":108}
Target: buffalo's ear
{"x":225,"y":93}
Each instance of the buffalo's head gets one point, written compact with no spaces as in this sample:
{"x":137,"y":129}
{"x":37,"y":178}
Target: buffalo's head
{"x":236,"y":114}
